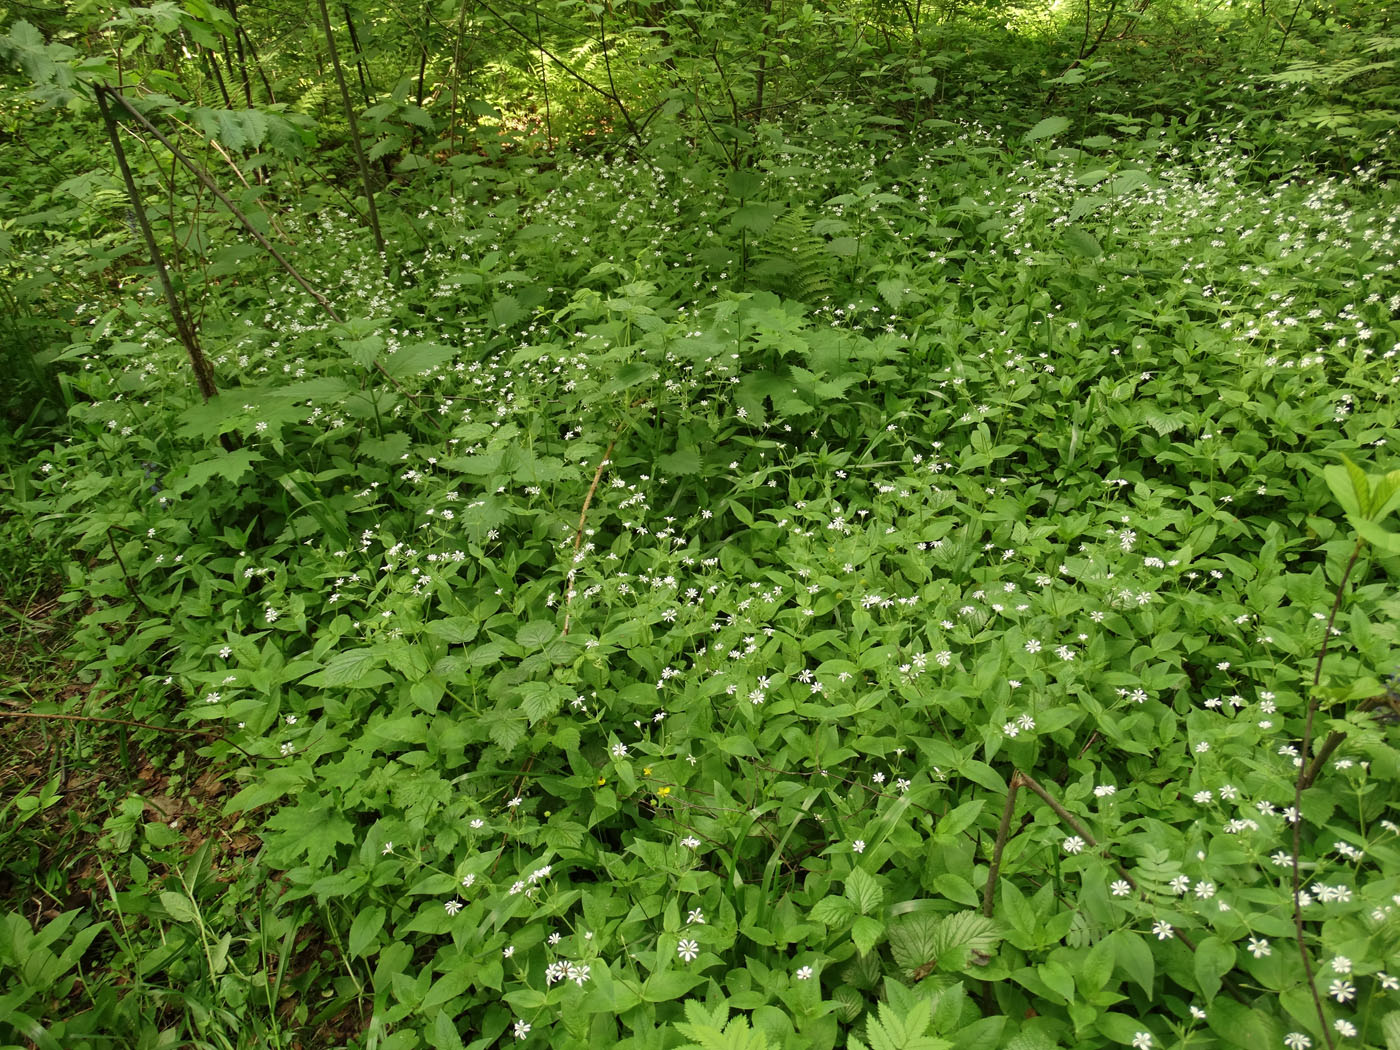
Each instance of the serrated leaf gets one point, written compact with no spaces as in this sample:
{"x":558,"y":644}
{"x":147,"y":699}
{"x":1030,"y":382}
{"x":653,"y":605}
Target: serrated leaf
{"x":866,"y":932}
{"x":539,"y":700}
{"x":455,"y":630}
{"x":913,"y":941}
{"x":505,"y":311}
{"x":536,"y":634}
{"x":417,"y":359}
{"x":1046,"y":128}
{"x":863,"y":891}
{"x":177,"y":906}
{"x":346,"y":668}
{"x":833,"y":911}
{"x":962,"y":936}
{"x":231,"y":466}
{"x":1080,"y":242}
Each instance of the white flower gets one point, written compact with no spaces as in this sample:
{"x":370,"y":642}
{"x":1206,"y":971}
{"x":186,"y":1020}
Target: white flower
{"x":1073,"y":844}
{"x":522,"y":1029}
{"x":452,"y":907}
{"x":1104,"y":790}
{"x":507,"y":951}
{"x":1197,"y":1012}
{"x":1342,"y":991}
{"x":1341,"y":964}
{"x":1389,"y":983}
{"x":1163,"y":930}
{"x":1296,"y":1041}
{"x":469,"y":879}
{"x":1142,"y":1041}
{"x":1033,"y":645}
{"x":803,"y":973}
{"x":688,"y":950}
{"x":696,"y":916}
{"x":388,"y":848}
{"x":1121,"y":888}
{"x":858,"y":845}
{"x":1344,"y":1027}
{"x":690,"y":842}
{"x":1259,"y":947}
{"x":579,"y":974}
{"x":619,"y":750}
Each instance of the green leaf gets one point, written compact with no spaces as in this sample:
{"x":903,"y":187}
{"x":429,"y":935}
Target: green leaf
{"x":960,"y":819}
{"x":365,"y":929}
{"x":311,"y":829}
{"x":1390,"y":1027}
{"x":456,"y":630}
{"x":670,"y":984}
{"x":231,"y":466}
{"x":863,"y":891}
{"x":866,"y":932}
{"x":416,"y":359}
{"x":1350,"y":488}
{"x":1121,"y":1028}
{"x":913,"y":941}
{"x":1080,"y":242}
{"x":833,"y":911}
{"x":445,"y":1034}
{"x":1134,"y":957}
{"x":1214,"y":958}
{"x":1385,"y":495}
{"x":1377,"y":536}
{"x":346,"y":668}
{"x":963,"y":938}
{"x":1047,"y":128}
{"x":178,"y":906}
{"x":535,"y":635}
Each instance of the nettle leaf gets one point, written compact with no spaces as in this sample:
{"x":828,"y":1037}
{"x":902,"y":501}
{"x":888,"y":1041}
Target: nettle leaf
{"x":863,"y":891}
{"x":416,"y":359}
{"x":914,"y":942}
{"x":536,"y":634}
{"x":540,"y":700}
{"x":833,"y":911}
{"x":1047,"y":128}
{"x":505,"y":311}
{"x":231,"y":466}
{"x":347,"y":668}
{"x":1080,"y":242}
{"x":964,"y":938}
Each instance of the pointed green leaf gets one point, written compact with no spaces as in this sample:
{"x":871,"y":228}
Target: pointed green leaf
{"x":1047,"y":128}
{"x":863,"y":891}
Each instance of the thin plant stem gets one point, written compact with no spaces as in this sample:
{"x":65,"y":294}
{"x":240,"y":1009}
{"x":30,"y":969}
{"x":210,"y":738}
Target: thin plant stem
{"x":1302,"y":782}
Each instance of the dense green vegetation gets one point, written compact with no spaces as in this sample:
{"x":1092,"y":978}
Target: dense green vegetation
{"x":700,"y":524}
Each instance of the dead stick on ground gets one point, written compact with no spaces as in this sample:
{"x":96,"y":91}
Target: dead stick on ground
{"x":211,"y":734}
{"x":578,"y":535}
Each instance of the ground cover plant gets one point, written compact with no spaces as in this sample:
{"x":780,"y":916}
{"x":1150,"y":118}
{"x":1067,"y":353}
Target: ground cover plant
{"x":913,"y":566}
